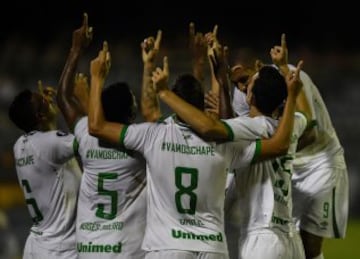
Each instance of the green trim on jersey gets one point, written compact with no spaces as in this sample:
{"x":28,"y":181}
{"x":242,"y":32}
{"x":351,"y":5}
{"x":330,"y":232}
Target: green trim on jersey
{"x":164,"y":117}
{"x":312,"y":124}
{"x":76,"y":147}
{"x":309,"y":123}
{"x":335,"y":227}
{"x":257,"y":151}
{"x":122,"y":134}
{"x":303,"y":114}
{"x":229,"y":131}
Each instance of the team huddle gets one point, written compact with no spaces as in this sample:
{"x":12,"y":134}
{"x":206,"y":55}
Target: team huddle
{"x":251,"y":169}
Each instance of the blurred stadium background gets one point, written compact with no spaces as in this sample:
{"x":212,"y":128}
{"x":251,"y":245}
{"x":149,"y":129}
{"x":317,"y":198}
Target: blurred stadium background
{"x":35,"y":39}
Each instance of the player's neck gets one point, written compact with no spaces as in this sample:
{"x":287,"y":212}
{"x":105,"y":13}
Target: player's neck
{"x":254,"y":112}
{"x":47,"y":126}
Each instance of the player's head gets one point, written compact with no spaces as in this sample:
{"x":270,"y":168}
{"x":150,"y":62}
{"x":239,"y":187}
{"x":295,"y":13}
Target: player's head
{"x":240,"y":76}
{"x":32,"y":111}
{"x":119,"y":103}
{"x":268,"y":89}
{"x":190,"y":89}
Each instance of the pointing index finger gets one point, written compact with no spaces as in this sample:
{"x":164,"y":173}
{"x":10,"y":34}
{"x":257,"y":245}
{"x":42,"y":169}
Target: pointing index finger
{"x":283,"y":41}
{"x":85,"y":20}
{"x":158,"y":39}
{"x":215,"y":30}
{"x":166,"y":65}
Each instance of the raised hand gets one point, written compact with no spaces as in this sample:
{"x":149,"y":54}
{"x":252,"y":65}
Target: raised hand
{"x":82,"y":36}
{"x":213,"y":44}
{"x":81,"y":90}
{"x":47,"y":92}
{"x":160,"y":77}
{"x":279,"y":54}
{"x":150,"y":47}
{"x":197,"y":43}
{"x":293,"y":82}
{"x":100,"y":66}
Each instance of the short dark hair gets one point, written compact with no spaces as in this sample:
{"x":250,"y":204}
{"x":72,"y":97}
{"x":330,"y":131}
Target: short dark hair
{"x":270,"y":90}
{"x":22,"y":111}
{"x":117,"y":101}
{"x":190,"y":89}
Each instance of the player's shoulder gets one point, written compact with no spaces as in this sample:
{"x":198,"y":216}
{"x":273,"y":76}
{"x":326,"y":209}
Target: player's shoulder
{"x":81,"y":124}
{"x":53,"y":135}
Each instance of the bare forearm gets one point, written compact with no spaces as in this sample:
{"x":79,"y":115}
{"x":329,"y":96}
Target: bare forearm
{"x":150,"y":106}
{"x":226,"y":110}
{"x":66,"y":83}
{"x":198,"y":70}
{"x":286,"y":124}
{"x":65,"y":94}
{"x":96,"y":114}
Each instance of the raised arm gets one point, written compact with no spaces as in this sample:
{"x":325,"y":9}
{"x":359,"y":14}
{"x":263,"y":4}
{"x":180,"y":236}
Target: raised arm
{"x":67,"y":101}
{"x":280,"y":141}
{"x":279,"y":56}
{"x":215,"y":129}
{"x":198,"y":48}
{"x":218,"y":59}
{"x":199,"y":121}
{"x":81,"y":91}
{"x":98,"y":126}
{"x":150,"y":107}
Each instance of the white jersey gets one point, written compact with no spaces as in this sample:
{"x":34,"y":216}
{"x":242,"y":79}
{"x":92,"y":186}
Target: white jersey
{"x":112,"y":199}
{"x":262,"y":196}
{"x":239,"y":103}
{"x":186,"y":185}
{"x":320,"y":180}
{"x":326,"y":150}
{"x":49,"y":177}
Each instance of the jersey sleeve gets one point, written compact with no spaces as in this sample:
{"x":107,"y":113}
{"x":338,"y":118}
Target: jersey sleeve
{"x":242,"y":153}
{"x":300,"y":124}
{"x":137,"y":136}
{"x":239,"y":103}
{"x":244,"y":128}
{"x":56,"y":146}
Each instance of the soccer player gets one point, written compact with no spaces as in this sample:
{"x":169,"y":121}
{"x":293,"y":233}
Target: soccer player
{"x":112,"y":197}
{"x":150,"y":47}
{"x":186,"y":175}
{"x":266,"y":184}
{"x":150,"y":107}
{"x":48,"y":175}
{"x":320,"y":180}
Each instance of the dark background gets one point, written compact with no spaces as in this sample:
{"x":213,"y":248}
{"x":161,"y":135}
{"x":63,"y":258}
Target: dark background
{"x":318,"y":25}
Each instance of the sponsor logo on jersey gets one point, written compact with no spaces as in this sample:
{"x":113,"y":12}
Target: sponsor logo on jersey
{"x":105,"y":154}
{"x":98,"y":248}
{"x":95,"y":226}
{"x":191,"y":222}
{"x":24,"y":161}
{"x":178,"y":234}
{"x":188,"y":150}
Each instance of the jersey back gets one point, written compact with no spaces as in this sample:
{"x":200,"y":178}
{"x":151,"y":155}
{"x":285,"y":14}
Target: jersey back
{"x":112,"y":199}
{"x":49,"y":177}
